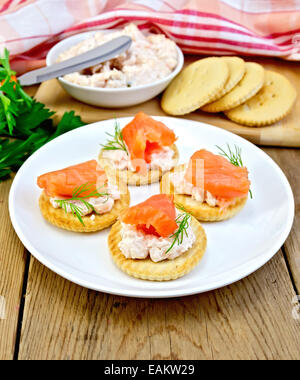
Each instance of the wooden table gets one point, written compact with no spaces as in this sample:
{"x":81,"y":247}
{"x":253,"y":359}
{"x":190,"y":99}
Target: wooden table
{"x":48,"y":317}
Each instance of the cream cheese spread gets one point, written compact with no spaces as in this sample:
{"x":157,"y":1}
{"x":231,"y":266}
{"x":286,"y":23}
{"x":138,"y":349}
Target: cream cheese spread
{"x":101,"y":205}
{"x":164,"y":160}
{"x":137,"y":245}
{"x":182,"y":186}
{"x":149,"y":59}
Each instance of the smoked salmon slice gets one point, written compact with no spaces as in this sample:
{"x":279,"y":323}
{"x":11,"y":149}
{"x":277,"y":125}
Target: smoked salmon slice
{"x":62,"y":183}
{"x":156,"y":216}
{"x":218,"y":176}
{"x":145,"y":136}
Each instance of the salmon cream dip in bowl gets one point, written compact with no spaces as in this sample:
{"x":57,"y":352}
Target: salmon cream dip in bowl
{"x":136,"y":76}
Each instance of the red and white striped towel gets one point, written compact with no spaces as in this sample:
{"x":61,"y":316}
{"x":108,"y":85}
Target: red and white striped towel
{"x":28,"y":28}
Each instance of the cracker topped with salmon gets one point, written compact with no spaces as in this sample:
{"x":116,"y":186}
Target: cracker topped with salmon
{"x":141,"y":152}
{"x":81,"y":198}
{"x":157,"y":241}
{"x":211,"y":187}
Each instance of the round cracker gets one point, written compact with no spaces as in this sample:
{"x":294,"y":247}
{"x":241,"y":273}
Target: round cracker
{"x":249,"y":86}
{"x":195,"y":86}
{"x":271,"y":104}
{"x":201,"y":211}
{"x":132,"y":178}
{"x":237,"y":69}
{"x":165,"y":270}
{"x":67,"y":221}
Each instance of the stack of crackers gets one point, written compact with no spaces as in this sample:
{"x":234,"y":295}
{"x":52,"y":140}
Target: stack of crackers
{"x":246,"y":92}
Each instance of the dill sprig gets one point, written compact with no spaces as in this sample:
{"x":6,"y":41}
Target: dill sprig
{"x":235,"y":157}
{"x":77,"y":195}
{"x":183,"y":221}
{"x":117,"y":142}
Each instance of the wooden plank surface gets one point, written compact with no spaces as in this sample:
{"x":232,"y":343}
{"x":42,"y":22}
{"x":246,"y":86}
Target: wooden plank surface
{"x":289,"y":160}
{"x":12,"y":267}
{"x":284,"y":133}
{"x":249,"y":320}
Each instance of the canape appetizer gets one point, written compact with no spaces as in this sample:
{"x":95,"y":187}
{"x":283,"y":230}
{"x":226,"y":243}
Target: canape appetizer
{"x":141,"y":152}
{"x":211,"y":187}
{"x":81,"y":198}
{"x":157,"y":241}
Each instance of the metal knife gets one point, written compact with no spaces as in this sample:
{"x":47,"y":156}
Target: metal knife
{"x":103,"y":53}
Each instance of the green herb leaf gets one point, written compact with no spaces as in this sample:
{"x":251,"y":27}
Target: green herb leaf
{"x":235,"y":157}
{"x":68,"y":122}
{"x":117,"y":142}
{"x":80,"y":194}
{"x":183,"y":221}
{"x":25,"y":120}
{"x":14,"y":153}
{"x":31,"y":119}
{"x":14,"y":101}
{"x":4,"y":61}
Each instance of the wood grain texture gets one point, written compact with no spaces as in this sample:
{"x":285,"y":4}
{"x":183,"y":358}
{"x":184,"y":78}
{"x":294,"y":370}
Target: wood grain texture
{"x":12,"y":266}
{"x":248,"y":320}
{"x":283,"y":133}
{"x":289,"y":160}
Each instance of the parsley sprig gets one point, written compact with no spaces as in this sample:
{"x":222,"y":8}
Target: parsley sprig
{"x":25,"y":124}
{"x":183,"y":221}
{"x":117,"y":142}
{"x":13,"y":98}
{"x":234,"y":156}
{"x":81,"y":194}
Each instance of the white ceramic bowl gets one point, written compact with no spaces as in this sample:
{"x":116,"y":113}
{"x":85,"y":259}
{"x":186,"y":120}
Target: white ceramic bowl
{"x":106,"y":97}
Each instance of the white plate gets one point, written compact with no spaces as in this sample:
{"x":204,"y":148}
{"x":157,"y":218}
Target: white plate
{"x":236,"y":248}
